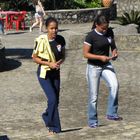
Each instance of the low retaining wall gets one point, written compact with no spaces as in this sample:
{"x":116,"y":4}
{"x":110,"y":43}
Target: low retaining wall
{"x":81,"y":15}
{"x":128,"y":42}
{"x":123,"y":42}
{"x":126,"y":66}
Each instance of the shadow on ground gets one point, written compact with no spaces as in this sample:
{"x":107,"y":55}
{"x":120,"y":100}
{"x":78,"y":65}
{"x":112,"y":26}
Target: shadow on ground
{"x":19,"y":53}
{"x":13,"y":56}
{"x":4,"y":137}
{"x":62,"y":30}
{"x":59,"y":30}
{"x":15,"y":33}
{"x":71,"y":129}
{"x":10,"y":64}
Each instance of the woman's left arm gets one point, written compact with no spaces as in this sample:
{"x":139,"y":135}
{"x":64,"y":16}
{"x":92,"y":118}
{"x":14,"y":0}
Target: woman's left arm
{"x":114,"y":54}
{"x":114,"y":50}
{"x":113,"y":44}
{"x":63,"y":44}
{"x":63,"y":56}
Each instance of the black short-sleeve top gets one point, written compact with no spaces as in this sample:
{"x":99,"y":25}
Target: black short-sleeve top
{"x":100,"y":44}
{"x":57,"y":46}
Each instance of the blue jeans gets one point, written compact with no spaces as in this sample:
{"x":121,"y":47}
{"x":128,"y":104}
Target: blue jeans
{"x":1,"y":27}
{"x":51,"y":87}
{"x":94,"y":73}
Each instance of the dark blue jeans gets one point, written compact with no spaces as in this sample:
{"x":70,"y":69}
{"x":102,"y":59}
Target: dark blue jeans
{"x":51,"y":87}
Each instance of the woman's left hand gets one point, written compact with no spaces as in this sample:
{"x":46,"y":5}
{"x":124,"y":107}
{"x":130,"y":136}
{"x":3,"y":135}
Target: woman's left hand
{"x":114,"y":54}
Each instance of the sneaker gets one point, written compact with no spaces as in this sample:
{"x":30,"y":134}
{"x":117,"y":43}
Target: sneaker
{"x":95,"y":125}
{"x":31,"y":29}
{"x":114,"y":118}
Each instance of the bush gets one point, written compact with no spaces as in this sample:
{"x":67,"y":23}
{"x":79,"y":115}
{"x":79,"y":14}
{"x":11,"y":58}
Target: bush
{"x":130,"y":17}
{"x":27,"y":5}
{"x":71,"y":4}
{"x":17,"y":5}
{"x":89,"y":3}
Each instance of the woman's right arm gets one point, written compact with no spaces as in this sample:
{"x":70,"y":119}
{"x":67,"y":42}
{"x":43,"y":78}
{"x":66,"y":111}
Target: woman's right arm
{"x":88,"y":55}
{"x":38,"y":60}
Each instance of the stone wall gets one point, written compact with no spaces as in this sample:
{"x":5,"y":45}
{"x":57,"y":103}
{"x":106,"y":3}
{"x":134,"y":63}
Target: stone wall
{"x":128,"y":42}
{"x":124,"y":42}
{"x":81,"y":15}
{"x":127,"y":5}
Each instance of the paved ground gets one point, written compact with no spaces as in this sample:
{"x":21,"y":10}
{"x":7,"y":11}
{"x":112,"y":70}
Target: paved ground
{"x":22,"y":100}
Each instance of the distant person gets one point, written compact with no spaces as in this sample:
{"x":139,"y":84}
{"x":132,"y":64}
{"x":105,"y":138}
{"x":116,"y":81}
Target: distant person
{"x":1,"y":27}
{"x":96,"y":49}
{"x":39,"y":16}
{"x":49,"y":53}
{"x":1,"y":24}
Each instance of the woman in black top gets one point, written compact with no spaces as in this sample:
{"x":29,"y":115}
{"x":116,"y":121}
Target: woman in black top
{"x":96,"y":49}
{"x":51,"y":82}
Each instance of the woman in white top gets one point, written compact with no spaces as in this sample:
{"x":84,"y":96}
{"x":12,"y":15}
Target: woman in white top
{"x":1,"y":24}
{"x":38,"y":16}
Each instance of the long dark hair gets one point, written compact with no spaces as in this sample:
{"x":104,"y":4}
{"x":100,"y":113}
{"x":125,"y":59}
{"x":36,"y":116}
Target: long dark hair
{"x":99,"y":19}
{"x":49,"y":20}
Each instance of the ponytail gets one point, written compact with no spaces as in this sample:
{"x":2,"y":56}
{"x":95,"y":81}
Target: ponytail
{"x":99,"y":19}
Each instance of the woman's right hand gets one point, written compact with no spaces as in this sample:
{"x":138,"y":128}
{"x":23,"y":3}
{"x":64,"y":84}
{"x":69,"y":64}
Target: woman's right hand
{"x":105,"y":58}
{"x":54,"y":65}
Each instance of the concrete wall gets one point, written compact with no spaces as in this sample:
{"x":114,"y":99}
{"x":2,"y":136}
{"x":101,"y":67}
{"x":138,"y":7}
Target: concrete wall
{"x":123,"y":42}
{"x":127,"y":5}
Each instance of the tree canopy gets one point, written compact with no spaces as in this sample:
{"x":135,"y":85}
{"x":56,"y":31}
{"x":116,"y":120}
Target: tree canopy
{"x":50,"y":4}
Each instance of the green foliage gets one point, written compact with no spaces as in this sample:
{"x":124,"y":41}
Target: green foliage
{"x":18,"y":5}
{"x":130,"y":17}
{"x":60,"y":4}
{"x":71,"y":4}
{"x":51,"y":4}
{"x":89,"y":3}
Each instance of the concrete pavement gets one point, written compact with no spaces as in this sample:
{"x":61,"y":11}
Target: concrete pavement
{"x":22,"y":100}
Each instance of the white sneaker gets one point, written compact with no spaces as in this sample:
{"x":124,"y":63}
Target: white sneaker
{"x":31,"y":29}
